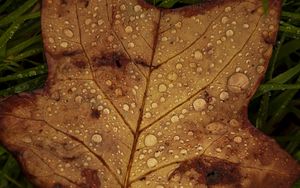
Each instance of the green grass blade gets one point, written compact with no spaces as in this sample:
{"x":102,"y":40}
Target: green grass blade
{"x":286,"y":76}
{"x":25,"y":86}
{"x":168,"y":3}
{"x":4,"y":177}
{"x":291,"y":15}
{"x":292,"y":146}
{"x":20,"y":47}
{"x":264,"y":88}
{"x":28,"y":30}
{"x":272,"y":64}
{"x":293,"y":31}
{"x":7,"y":36}
{"x":18,"y":12}
{"x":262,"y":114}
{"x":289,"y":48}
{"x":28,"y":53}
{"x":295,"y":111}
{"x":279,"y":107}
{"x":41,"y":69}
{"x":5,"y":5}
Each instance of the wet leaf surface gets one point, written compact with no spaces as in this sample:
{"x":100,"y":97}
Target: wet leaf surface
{"x":144,"y":97}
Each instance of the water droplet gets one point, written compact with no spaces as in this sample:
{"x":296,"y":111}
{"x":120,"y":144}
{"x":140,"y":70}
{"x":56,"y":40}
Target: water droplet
{"x":64,"y":44}
{"x":198,"y":55}
{"x":246,"y":26}
{"x":118,"y":92}
{"x":183,"y":151}
{"x":118,"y":171}
{"x":190,"y":133}
{"x":88,"y":21}
{"x":108,"y":82}
{"x":148,"y":115}
{"x":131,"y":45}
{"x":110,"y":38}
{"x":106,"y":111}
{"x":178,"y":66}
{"x":78,"y":99}
{"x":260,"y":69}
{"x":152,"y":162}
{"x":271,"y":27}
{"x":176,"y":138}
{"x":224,"y":96}
{"x":229,"y":33}
{"x":164,"y":39}
{"x":178,"y":24}
{"x":225,"y":19}
{"x":100,"y":22}
{"x":237,"y":139}
{"x":199,"y":104}
{"x":172,"y":76}
{"x":218,"y":150}
{"x":159,"y":186}
{"x":162,"y":88}
{"x":238,"y":82}
{"x":128,"y":29}
{"x":68,"y":33}
{"x":27,"y":140}
{"x":174,"y":119}
{"x":228,"y":9}
{"x":234,"y":123}
{"x":123,"y":7}
{"x":154,"y":105}
{"x":97,"y":138}
{"x":216,"y":128}
{"x":142,"y":156}
{"x":150,"y":140}
{"x":51,"y":40}
{"x":137,"y":8}
{"x":126,"y":107}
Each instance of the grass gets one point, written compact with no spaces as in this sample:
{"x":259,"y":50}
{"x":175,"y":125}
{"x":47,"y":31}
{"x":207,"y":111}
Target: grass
{"x":275,"y":108}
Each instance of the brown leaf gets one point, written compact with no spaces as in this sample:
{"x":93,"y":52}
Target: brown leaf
{"x":145,"y":97}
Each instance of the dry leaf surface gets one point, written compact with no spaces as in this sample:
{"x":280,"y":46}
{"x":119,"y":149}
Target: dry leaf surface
{"x":143,"y":97}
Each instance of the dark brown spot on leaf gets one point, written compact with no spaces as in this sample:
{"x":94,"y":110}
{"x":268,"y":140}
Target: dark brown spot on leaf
{"x":58,"y":185}
{"x":95,"y":114}
{"x":113,"y":59}
{"x":91,"y":178}
{"x":63,"y":2}
{"x":80,"y":64}
{"x":85,"y":3}
{"x":71,"y":53}
{"x":210,"y":171}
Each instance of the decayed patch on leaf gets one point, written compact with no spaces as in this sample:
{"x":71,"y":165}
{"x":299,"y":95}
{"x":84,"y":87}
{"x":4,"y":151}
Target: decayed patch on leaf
{"x":144,"y":97}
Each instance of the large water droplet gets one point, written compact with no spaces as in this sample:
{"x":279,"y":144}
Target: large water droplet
{"x":229,"y":33}
{"x":64,"y":44}
{"x":198,"y":55}
{"x":225,"y":19}
{"x":224,"y":96}
{"x":152,"y":162}
{"x":97,"y":138}
{"x":68,"y":33}
{"x":174,"y":119}
{"x":216,"y":127}
{"x":238,"y":82}
{"x":150,"y":140}
{"x":237,"y":139}
{"x":162,"y":88}
{"x":199,"y":104}
{"x":126,"y":107}
{"x":128,"y":29}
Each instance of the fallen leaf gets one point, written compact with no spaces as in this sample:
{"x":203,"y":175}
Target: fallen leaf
{"x":143,"y":97}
